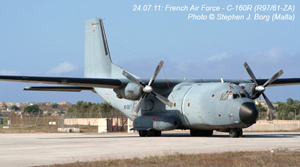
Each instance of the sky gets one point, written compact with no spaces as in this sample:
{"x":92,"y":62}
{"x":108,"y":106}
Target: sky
{"x":46,"y":38}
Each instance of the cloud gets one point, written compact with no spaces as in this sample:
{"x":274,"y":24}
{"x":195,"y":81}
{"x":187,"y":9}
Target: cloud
{"x":9,"y":72}
{"x":218,"y":57}
{"x":273,"y":55}
{"x":64,"y":67}
{"x":223,"y":65}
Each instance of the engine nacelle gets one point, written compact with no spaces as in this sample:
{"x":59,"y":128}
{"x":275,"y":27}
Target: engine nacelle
{"x":166,"y":122}
{"x":131,"y":91}
{"x":249,"y":87}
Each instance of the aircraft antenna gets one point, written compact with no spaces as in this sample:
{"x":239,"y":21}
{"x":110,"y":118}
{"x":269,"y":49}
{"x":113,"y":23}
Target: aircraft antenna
{"x":168,"y":82}
{"x":242,"y":75}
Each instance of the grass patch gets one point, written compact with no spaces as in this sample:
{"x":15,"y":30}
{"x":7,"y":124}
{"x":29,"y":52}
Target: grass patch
{"x":230,"y":159}
{"x":30,"y":129}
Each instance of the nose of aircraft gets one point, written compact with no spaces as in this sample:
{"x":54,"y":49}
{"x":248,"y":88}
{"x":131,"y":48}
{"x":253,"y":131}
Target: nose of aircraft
{"x":248,"y":113}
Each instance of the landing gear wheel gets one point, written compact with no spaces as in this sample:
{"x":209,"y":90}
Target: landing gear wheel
{"x":150,"y":133}
{"x":196,"y":132}
{"x":233,"y":133}
{"x":208,"y":133}
{"x":142,"y":133}
{"x":157,"y":133}
{"x":193,"y":132}
{"x":240,"y":132}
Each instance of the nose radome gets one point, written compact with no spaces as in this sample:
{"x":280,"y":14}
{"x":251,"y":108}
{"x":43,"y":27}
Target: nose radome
{"x":248,"y":113}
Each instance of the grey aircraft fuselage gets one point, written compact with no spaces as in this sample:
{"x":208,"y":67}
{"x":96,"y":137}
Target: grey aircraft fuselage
{"x":205,"y":106}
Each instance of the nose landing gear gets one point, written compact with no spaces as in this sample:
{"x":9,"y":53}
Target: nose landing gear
{"x":236,"y":132}
{"x":149,"y":133}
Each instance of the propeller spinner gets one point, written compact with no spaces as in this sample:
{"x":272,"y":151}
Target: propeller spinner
{"x":259,"y":89}
{"x":147,"y":89}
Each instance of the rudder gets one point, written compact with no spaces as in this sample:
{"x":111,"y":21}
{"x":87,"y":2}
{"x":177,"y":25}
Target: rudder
{"x":97,"y":57}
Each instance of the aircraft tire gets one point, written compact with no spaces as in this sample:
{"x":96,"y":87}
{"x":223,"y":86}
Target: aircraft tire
{"x":193,"y":132}
{"x":208,"y":133}
{"x":151,"y":133}
{"x":233,"y":133}
{"x":201,"y":132}
{"x":142,"y":133}
{"x":240,"y":132}
{"x":157,"y":133}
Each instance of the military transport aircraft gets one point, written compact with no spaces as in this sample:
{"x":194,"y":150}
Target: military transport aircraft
{"x":155,"y":105}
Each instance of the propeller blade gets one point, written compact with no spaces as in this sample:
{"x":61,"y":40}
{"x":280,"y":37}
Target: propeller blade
{"x":162,"y":99}
{"x":250,"y":73}
{"x":133,"y":79}
{"x":157,"y":70}
{"x":147,"y":89}
{"x":273,"y":78}
{"x":270,"y":105}
{"x":137,"y":108}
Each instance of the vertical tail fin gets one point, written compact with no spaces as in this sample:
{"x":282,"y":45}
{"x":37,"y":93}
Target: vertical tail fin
{"x":97,"y":57}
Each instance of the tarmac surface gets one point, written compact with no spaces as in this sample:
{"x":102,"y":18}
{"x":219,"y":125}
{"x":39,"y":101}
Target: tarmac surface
{"x":57,"y":148}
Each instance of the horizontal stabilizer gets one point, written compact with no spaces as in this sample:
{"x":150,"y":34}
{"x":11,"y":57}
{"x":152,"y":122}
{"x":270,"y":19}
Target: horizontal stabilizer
{"x":59,"y":88}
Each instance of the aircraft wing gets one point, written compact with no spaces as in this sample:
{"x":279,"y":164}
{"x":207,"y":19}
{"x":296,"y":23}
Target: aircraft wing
{"x":81,"y":82}
{"x":278,"y":82}
{"x":59,"y":88}
{"x":281,"y":81}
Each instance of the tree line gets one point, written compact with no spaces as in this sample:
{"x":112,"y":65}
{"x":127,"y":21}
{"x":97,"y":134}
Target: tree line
{"x":79,"y":110}
{"x":92,"y":110}
{"x":289,"y":110}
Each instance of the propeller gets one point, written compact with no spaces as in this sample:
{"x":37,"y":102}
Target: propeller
{"x":147,"y":89}
{"x":259,"y":89}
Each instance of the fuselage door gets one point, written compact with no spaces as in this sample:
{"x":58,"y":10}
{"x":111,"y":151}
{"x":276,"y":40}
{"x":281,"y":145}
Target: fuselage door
{"x":179,"y":96}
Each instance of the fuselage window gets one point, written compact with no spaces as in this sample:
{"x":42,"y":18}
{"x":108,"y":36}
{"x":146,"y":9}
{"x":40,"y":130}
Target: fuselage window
{"x":243,"y":95}
{"x":235,"y":96}
{"x":229,"y":96}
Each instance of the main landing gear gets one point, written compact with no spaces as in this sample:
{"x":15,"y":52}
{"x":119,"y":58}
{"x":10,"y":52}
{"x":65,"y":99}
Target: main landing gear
{"x":235,"y":132}
{"x":201,"y":132}
{"x":149,"y":133}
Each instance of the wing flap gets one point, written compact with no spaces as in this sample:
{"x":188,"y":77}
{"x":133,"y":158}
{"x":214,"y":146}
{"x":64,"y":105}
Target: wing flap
{"x":59,"y":88}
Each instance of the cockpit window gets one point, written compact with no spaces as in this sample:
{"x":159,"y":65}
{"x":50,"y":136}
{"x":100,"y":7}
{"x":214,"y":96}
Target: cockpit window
{"x":243,"y":95}
{"x":235,"y":96}
{"x":224,"y":96}
{"x":228,"y":96}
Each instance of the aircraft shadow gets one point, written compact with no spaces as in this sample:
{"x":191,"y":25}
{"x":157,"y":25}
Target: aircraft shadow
{"x":218,"y":135}
{"x":97,"y":137}
{"x":247,"y":135}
